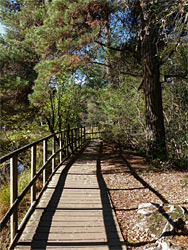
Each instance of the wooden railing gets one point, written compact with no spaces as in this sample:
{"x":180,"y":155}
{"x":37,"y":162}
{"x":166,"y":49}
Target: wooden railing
{"x":67,"y":142}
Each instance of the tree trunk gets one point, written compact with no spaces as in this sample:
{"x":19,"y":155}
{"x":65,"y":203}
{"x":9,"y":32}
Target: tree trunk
{"x":156,"y":146}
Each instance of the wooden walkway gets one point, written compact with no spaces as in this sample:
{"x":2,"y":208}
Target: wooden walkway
{"x":75,"y":211}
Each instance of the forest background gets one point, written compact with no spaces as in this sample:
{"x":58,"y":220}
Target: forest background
{"x":118,"y":65}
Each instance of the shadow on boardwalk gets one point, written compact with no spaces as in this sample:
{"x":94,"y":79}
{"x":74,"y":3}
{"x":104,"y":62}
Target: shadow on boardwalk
{"x":112,"y":238}
{"x":108,"y":218}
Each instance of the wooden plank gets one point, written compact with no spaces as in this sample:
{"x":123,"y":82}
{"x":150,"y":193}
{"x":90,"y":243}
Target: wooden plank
{"x":69,"y":219}
{"x":44,"y":161}
{"x":88,"y":247}
{"x":33,"y":173}
{"x":78,"y":216}
{"x":53,"y":152}
{"x":13,"y":195}
{"x":67,"y":229}
{"x":34,"y":223}
{"x":69,"y":236}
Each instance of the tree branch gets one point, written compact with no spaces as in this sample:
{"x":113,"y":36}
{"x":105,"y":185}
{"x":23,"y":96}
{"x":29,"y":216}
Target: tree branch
{"x":180,"y":75}
{"x":110,"y":47}
{"x":177,"y":42}
{"x":121,"y":72}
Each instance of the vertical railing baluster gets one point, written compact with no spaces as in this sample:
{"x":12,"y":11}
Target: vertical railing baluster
{"x":72,"y":141}
{"x":53,"y":152}
{"x":60,"y":147}
{"x":64,"y":144}
{"x":78,"y":144}
{"x":13,"y":194}
{"x":33,"y":173}
{"x":84,"y":132}
{"x":75,"y":139}
{"x":44,"y":160}
{"x":81,"y":135}
{"x":68,"y":142}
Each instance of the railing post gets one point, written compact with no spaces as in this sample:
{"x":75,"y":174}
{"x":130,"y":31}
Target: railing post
{"x":72,"y":141}
{"x":68,"y":142}
{"x":53,"y":152}
{"x":64,"y":144}
{"x":44,"y":161}
{"x":13,"y":194}
{"x":60,"y":146}
{"x":84,"y":132}
{"x":33,"y":173}
{"x":76,"y":138}
{"x":81,"y":136}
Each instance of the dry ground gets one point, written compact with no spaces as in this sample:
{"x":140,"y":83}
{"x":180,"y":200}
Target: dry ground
{"x":132,"y":181}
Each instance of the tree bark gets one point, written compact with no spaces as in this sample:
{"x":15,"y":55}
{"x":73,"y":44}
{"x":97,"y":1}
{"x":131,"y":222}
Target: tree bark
{"x":156,"y":146}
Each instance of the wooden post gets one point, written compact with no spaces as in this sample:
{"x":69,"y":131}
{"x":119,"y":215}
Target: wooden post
{"x":13,"y":195}
{"x":72,"y":141}
{"x":53,"y":152}
{"x":84,"y":133}
{"x":44,"y":160}
{"x":33,"y":173}
{"x":76,"y":138}
{"x":60,"y":147}
{"x":64,"y":144}
{"x":81,"y":136}
{"x":68,"y":142}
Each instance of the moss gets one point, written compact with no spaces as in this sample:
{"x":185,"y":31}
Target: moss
{"x":152,"y":228}
{"x":184,"y":183}
{"x":186,"y":216}
{"x":156,"y":221}
{"x":177,"y":213}
{"x":152,"y":245}
{"x":157,"y":217}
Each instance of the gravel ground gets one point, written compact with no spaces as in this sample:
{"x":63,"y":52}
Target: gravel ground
{"x":132,"y":181}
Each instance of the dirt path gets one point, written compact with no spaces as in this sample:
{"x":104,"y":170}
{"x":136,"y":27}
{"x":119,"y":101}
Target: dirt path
{"x":132,"y":181}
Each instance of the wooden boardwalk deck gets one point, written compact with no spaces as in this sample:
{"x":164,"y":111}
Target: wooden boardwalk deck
{"x":75,"y":211}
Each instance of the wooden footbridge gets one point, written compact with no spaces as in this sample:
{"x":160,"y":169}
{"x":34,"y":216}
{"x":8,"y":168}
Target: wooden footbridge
{"x":73,"y":209}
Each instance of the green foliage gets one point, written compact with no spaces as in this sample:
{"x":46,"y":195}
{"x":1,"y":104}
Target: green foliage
{"x":4,"y":199}
{"x":47,"y":42}
{"x":60,"y":103}
{"x":13,"y":138}
{"x":124,"y":108}
{"x":175,"y":111}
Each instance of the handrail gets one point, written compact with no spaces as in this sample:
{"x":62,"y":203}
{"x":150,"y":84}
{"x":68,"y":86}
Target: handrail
{"x":24,"y":148}
{"x":69,"y":142}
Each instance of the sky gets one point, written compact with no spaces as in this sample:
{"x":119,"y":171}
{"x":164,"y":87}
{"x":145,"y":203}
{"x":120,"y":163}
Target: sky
{"x":2,"y":30}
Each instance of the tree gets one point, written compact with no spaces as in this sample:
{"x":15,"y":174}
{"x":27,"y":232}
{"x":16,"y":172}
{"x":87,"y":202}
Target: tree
{"x":153,"y":36}
{"x":60,"y":102}
{"x":152,"y":15}
{"x":143,"y":34}
{"x":17,"y":74}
